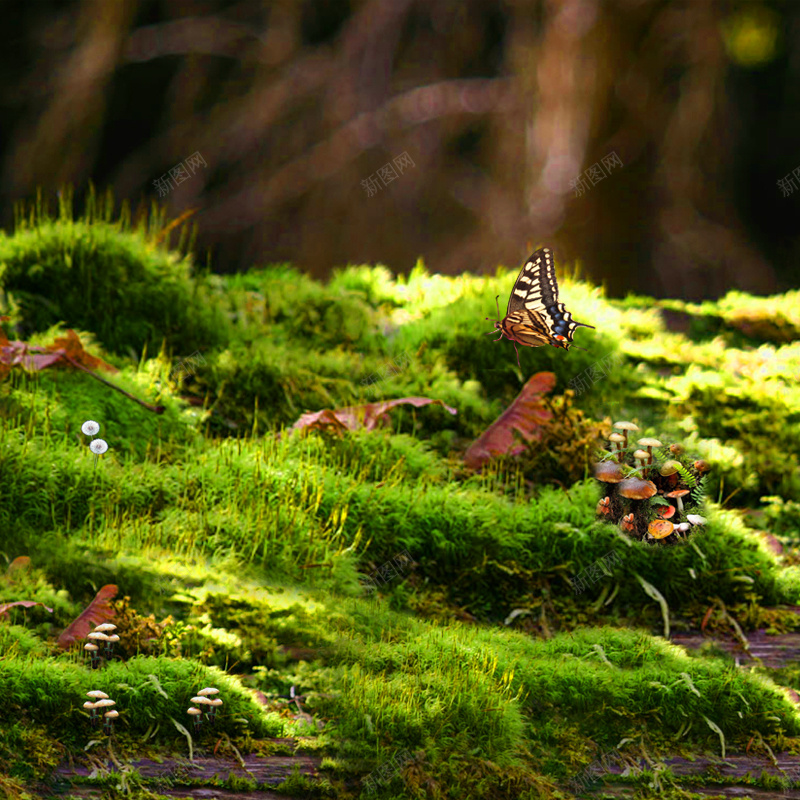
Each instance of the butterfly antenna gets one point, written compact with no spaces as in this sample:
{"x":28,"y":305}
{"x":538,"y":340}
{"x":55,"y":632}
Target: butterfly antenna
{"x":517,"y":352}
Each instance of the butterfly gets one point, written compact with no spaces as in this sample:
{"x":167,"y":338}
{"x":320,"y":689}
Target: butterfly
{"x":534,"y":316}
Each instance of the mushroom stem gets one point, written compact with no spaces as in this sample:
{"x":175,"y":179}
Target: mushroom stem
{"x":680,"y":505}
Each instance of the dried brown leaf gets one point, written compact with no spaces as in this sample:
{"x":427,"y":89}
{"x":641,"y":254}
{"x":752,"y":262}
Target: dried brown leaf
{"x":96,"y":612}
{"x":368,"y":415}
{"x":24,"y":603}
{"x":525,"y":415}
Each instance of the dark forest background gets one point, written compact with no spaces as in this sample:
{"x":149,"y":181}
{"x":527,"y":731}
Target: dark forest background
{"x":500,"y":106}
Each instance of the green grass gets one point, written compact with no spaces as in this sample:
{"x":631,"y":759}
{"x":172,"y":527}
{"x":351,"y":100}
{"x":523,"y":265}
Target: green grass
{"x":248,"y":552}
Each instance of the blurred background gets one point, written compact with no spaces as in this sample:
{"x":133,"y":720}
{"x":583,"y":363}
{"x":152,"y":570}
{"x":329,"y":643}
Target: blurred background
{"x":652,"y":141}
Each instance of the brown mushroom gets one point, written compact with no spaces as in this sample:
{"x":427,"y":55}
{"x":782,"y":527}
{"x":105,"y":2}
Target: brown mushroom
{"x":617,"y":440}
{"x":660,"y":528}
{"x":701,"y":465}
{"x":678,"y":494}
{"x":637,"y":488}
{"x":643,"y":456}
{"x":627,"y":523}
{"x":649,"y":443}
{"x":608,"y":472}
{"x":625,"y":427}
{"x":676,"y":449}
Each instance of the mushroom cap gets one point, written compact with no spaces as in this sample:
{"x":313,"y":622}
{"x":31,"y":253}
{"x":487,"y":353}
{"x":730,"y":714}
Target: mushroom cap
{"x":90,"y":646}
{"x":104,"y":703}
{"x":99,"y":635}
{"x":203,"y":700}
{"x":608,"y":472}
{"x":637,"y":489}
{"x":669,"y":467}
{"x":660,"y":528}
{"x":649,"y":442}
{"x":113,"y":638}
{"x":696,"y":519}
{"x":111,"y":714}
{"x":683,"y":527}
{"x":626,"y":426}
{"x":616,"y":437}
{"x":701,"y":465}
{"x":96,"y":693}
{"x":676,"y":449}
{"x":208,"y":690}
{"x":89,"y":704}
{"x":105,"y":626}
{"x":677,"y":493}
{"x":641,"y":454}
{"x":216,"y":702}
{"x":666,"y":512}
{"x":194,"y":711}
{"x":627,"y":522}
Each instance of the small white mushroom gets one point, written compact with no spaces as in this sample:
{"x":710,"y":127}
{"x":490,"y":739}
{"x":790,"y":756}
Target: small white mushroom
{"x":98,"y":694}
{"x":105,"y":626}
{"x":207,"y":691}
{"x":98,"y":636}
{"x":696,"y":519}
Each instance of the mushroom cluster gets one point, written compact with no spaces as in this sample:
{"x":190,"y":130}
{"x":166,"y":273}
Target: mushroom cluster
{"x":100,"y":700}
{"x":648,"y":492}
{"x":101,"y":635}
{"x":206,"y":700}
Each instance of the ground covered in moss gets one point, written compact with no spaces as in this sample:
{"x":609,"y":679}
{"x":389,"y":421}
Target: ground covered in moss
{"x":363,"y":597}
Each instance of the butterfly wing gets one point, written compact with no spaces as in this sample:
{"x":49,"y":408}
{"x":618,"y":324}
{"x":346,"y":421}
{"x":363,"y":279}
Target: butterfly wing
{"x":534,"y":315}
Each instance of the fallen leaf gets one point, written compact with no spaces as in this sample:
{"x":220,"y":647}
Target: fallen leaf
{"x":24,"y":603}
{"x":96,"y":612}
{"x":366,"y":416}
{"x":525,"y":415}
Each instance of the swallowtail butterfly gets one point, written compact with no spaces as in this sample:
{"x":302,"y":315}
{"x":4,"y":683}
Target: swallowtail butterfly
{"x":534,"y":316}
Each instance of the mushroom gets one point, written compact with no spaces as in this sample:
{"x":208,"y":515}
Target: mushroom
{"x":207,"y":691}
{"x":203,"y":701}
{"x":110,"y":717}
{"x":696,"y":519}
{"x":92,"y":650}
{"x":677,"y":495}
{"x":215,"y":704}
{"x":97,"y":694}
{"x":98,"y":636}
{"x":198,"y":719}
{"x":104,"y":703}
{"x":90,"y":706}
{"x":701,"y":465}
{"x":617,"y":439}
{"x":627,"y":523}
{"x":676,"y":449}
{"x":625,"y":427}
{"x":666,"y":512}
{"x":110,"y":643}
{"x":608,"y":472}
{"x":683,"y":527}
{"x":603,"y":507}
{"x":643,"y":456}
{"x":105,"y":626}
{"x":669,"y":467}
{"x":649,"y":443}
{"x":660,"y":528}
{"x":637,"y":488}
